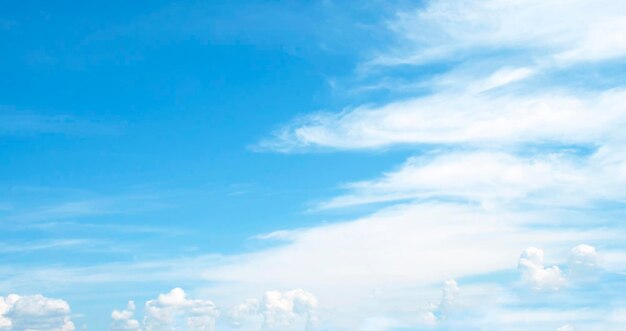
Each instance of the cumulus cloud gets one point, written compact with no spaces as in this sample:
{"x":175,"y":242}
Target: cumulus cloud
{"x":583,"y":261}
{"x":489,"y":124}
{"x":175,"y":310}
{"x":400,"y":241}
{"x":442,"y":310}
{"x":450,"y":296}
{"x":537,"y":276}
{"x":241,"y":312}
{"x":34,"y":313}
{"x":170,"y":311}
{"x":279,"y":310}
{"x":123,"y":320}
{"x":489,"y":132}
{"x":401,"y":250}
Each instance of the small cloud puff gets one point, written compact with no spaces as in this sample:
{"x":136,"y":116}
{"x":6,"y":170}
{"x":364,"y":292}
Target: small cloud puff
{"x":175,"y":309}
{"x":123,"y":320}
{"x":279,"y":310}
{"x":538,"y":277}
{"x":34,"y":313}
{"x":441,"y":311}
{"x":582,"y":262}
{"x":450,"y":295}
{"x":170,"y":311}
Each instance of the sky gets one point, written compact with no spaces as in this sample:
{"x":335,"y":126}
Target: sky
{"x":313,"y":165}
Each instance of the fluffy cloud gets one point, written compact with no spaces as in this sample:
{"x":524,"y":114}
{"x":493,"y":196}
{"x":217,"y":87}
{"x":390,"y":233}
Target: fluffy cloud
{"x":170,"y":311}
{"x":279,"y":310}
{"x":123,"y":320}
{"x":450,"y":296}
{"x":509,"y":151}
{"x":384,"y":265}
{"x":537,"y":276}
{"x":566,"y":328}
{"x":34,"y":313}
{"x":174,"y":310}
{"x":583,"y":261}
{"x":442,"y":310}
{"x":504,"y":142}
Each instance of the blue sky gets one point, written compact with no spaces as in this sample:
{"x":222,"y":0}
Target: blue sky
{"x":119,"y":112}
{"x":314,"y":165}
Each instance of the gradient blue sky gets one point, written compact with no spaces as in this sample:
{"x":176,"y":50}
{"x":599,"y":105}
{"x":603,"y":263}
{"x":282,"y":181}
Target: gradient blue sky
{"x":133,"y":115}
{"x":355,"y":158}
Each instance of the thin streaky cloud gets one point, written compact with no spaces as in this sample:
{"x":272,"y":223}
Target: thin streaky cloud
{"x":481,"y":142}
{"x":15,"y":122}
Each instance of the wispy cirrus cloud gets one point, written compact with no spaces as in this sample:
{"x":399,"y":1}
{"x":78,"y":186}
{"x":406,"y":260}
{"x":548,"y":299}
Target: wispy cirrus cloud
{"x":558,"y":32}
{"x":44,"y":245}
{"x":463,"y":118}
{"x":546,"y":292}
{"x":489,"y":47}
{"x":494,"y":178}
{"x":75,"y":207}
{"x":499,"y":134}
{"x":519,"y":163}
{"x":18,"y":122}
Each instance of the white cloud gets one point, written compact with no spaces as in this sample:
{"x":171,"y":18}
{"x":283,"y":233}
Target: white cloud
{"x":502,"y":77}
{"x":170,"y":311}
{"x":382,"y":264}
{"x":538,"y":277}
{"x":373,"y":273}
{"x":392,"y":242}
{"x":462,"y":118}
{"x":34,"y":313}
{"x":240,"y":313}
{"x":279,"y":310}
{"x":450,"y":296}
{"x":5,"y":305}
{"x":492,"y":179}
{"x":442,"y":310}
{"x":175,"y":310}
{"x":529,"y":37}
{"x":123,"y":320}
{"x":507,"y":150}
{"x":575,"y":30}
{"x":583,"y":261}
{"x":485,"y":177}
{"x":14,"y":121}
{"x":401,"y":286}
